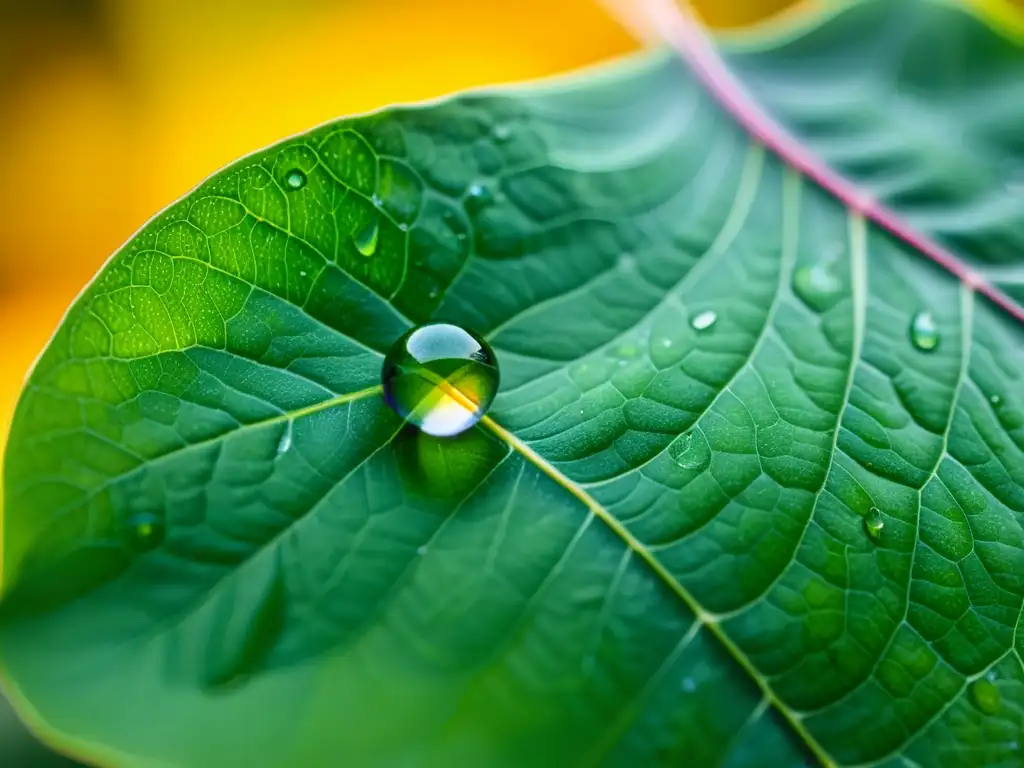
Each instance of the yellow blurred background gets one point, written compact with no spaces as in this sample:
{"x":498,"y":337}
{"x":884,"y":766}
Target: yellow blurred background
{"x":111,"y":109}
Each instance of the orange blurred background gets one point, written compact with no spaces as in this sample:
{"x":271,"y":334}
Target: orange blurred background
{"x":111,"y":109}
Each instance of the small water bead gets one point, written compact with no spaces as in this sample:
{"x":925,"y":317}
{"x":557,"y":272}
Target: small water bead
{"x":501,"y":133}
{"x":440,"y":378}
{"x":704,"y":320}
{"x":478,"y":196}
{"x":874,"y":523}
{"x":818,"y":286}
{"x":285,"y":443}
{"x":690,"y":450}
{"x":985,"y":696}
{"x":146,"y":531}
{"x":295,"y":179}
{"x":923,"y":332}
{"x":365,"y":240}
{"x":996,"y":400}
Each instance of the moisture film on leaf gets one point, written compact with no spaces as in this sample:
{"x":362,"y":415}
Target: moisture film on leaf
{"x":750,"y":491}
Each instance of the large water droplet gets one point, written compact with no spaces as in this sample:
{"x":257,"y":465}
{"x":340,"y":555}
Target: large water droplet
{"x":985,"y":696}
{"x":874,"y":523}
{"x":365,"y":240}
{"x":704,"y":320}
{"x":923,"y":332}
{"x":441,"y":378}
{"x":818,"y":286}
{"x":690,"y":450}
{"x":294,"y":179}
{"x":146,"y":530}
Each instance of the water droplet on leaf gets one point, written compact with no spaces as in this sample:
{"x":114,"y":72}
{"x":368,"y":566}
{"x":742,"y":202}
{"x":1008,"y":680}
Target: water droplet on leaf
{"x":996,"y":400}
{"x":704,"y":320}
{"x":295,"y":179}
{"x":365,"y":240}
{"x":421,"y":550}
{"x":817,"y":285}
{"x":501,"y":132}
{"x":146,"y":530}
{"x":286,"y":439}
{"x":923,"y":332}
{"x":874,"y":523}
{"x":441,"y":378}
{"x":689,"y":684}
{"x":985,"y":696}
{"x":479,"y":196}
{"x":690,"y":450}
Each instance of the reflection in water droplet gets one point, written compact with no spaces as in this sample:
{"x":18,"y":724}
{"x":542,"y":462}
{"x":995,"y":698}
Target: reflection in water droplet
{"x":818,"y":286}
{"x":365,"y":240}
{"x":874,"y":522}
{"x":146,"y":530}
{"x":704,"y":320}
{"x":295,"y":179}
{"x":441,"y":378}
{"x":923,"y":332}
{"x":690,"y":450}
{"x":985,"y":696}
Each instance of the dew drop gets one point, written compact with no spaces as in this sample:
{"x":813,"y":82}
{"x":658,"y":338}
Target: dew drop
{"x":689,"y":684}
{"x":365,"y":240}
{"x":874,"y":523}
{"x":286,"y":439}
{"x":704,"y":320}
{"x":923,"y":332}
{"x":440,"y":378}
{"x":501,"y":133}
{"x":146,"y":530}
{"x":295,"y":179}
{"x":996,"y":400}
{"x":421,"y":550}
{"x":817,"y":285}
{"x":985,"y":696}
{"x":479,"y":196}
{"x":626,"y":262}
{"x":690,"y":450}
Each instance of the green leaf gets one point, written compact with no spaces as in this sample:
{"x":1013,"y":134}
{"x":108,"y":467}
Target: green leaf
{"x":751,"y":491}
